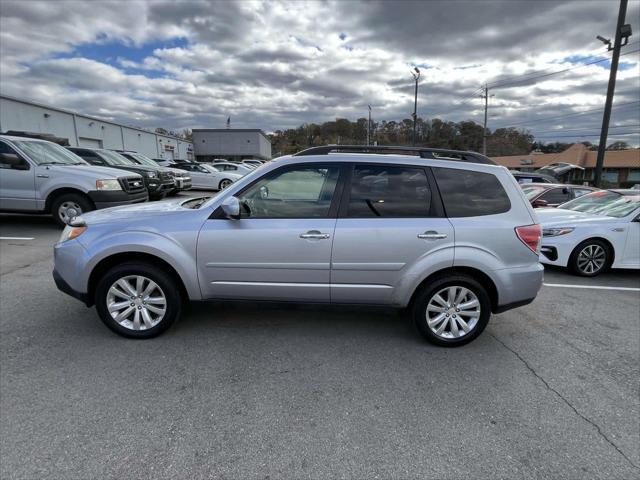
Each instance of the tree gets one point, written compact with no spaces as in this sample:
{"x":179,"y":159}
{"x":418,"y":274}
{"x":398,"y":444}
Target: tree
{"x":619,"y":145}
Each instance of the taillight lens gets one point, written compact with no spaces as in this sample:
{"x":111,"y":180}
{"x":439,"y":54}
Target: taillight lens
{"x":530,"y":235}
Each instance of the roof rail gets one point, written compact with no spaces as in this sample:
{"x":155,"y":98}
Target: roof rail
{"x":424,"y":152}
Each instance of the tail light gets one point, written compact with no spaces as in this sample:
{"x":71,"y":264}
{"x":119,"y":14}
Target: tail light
{"x":530,"y":235}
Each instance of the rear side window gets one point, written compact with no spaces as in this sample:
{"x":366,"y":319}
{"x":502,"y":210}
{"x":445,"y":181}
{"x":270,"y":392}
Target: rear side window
{"x":470,"y":194}
{"x":389,"y":191}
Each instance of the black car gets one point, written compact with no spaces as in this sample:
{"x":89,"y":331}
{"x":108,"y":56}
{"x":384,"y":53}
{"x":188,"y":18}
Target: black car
{"x":182,"y":180}
{"x":157,"y":182}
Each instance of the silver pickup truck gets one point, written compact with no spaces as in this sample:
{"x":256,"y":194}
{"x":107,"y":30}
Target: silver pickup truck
{"x":37,"y":176}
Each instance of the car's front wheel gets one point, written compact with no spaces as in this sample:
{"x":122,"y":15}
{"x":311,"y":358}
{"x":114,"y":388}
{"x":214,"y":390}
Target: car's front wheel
{"x":452,"y":310}
{"x":70,"y":205}
{"x":137,"y":300}
{"x":590,"y":258}
{"x":224,"y":183}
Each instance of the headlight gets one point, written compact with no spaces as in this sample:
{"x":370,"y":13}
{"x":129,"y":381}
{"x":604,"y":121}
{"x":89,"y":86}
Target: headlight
{"x":69,"y":233}
{"x":554,"y":232}
{"x":151,"y":174}
{"x":110,"y":184}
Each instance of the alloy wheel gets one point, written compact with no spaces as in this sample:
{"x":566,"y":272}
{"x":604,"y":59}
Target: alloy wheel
{"x":591,"y":259}
{"x":136,"y":302}
{"x":225,"y":183}
{"x":68,"y":210}
{"x":453,"y":312}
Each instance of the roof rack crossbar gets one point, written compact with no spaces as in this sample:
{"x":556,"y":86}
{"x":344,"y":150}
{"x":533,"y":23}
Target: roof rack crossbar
{"x":423,"y":152}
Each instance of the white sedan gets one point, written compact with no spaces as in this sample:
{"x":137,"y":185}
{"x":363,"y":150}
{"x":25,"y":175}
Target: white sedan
{"x":206,"y":177}
{"x":592,"y":233}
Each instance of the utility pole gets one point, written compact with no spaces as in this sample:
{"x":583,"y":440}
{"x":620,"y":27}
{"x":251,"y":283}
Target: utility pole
{"x":369,"y":127}
{"x":485,"y":95}
{"x":622,"y":30}
{"x":416,"y":76}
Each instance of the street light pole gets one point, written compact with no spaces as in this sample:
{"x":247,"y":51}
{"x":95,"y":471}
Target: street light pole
{"x":369,"y":127}
{"x":416,"y":76}
{"x":621,"y":29}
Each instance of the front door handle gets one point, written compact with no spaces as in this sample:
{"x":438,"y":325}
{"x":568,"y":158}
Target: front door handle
{"x":42,"y":176}
{"x":431,"y":235}
{"x":314,"y":234}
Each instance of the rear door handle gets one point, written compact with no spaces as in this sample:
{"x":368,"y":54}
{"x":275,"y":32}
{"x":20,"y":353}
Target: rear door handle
{"x":314,"y":234}
{"x":431,"y":235}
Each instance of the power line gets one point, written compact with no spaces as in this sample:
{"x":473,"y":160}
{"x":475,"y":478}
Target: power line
{"x":586,"y":135}
{"x":567,"y":115}
{"x":588,"y":127}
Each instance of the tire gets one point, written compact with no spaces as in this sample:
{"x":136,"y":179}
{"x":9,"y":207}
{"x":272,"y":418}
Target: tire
{"x":590,"y":258}
{"x":146,"y":323}
{"x":60,"y":207}
{"x":224,"y":183}
{"x":475,"y":317}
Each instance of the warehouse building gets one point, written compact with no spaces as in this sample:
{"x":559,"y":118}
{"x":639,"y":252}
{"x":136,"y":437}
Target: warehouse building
{"x":231,"y":143}
{"x":86,"y":131}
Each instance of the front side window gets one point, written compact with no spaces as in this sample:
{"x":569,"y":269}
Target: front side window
{"x":557,"y":196}
{"x":10,"y":160}
{"x":389,"y":191}
{"x":301,"y":192}
{"x":466,"y":193}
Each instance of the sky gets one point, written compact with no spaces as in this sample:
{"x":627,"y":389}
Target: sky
{"x":275,"y":65}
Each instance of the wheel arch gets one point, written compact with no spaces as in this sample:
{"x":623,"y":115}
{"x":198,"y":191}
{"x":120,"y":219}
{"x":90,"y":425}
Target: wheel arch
{"x":484,"y":279}
{"x":54,"y":194}
{"x":141,"y":257}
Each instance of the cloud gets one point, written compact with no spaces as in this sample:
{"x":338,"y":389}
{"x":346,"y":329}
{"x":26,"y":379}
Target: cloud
{"x":275,"y":65}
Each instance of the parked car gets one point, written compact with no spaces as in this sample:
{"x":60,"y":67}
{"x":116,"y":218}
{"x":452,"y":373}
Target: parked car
{"x":38,"y":176}
{"x":553,"y":194}
{"x":532,"y":177}
{"x":342,"y":228}
{"x":225,"y":166}
{"x":157,"y":185}
{"x":251,"y":163}
{"x":593,"y":233}
{"x":181,"y":179}
{"x":206,"y":177}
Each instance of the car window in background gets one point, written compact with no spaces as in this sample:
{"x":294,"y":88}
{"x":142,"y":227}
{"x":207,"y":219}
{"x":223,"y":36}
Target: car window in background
{"x":532,"y":191}
{"x":391,"y":192}
{"x":115,"y":158}
{"x":556,"y":195}
{"x":141,"y":159}
{"x":303,"y":192}
{"x":49,"y":153}
{"x":469,"y":194}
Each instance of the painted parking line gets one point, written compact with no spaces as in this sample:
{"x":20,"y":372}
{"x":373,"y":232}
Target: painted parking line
{"x":16,"y":238}
{"x":592,"y":287}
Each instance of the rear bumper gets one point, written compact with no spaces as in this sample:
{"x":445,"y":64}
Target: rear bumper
{"x":106,"y":199}
{"x":517,"y":286}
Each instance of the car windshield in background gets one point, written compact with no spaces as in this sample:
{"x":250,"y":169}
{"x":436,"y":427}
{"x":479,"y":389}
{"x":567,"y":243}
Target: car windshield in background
{"x":44,"y":153}
{"x":143,"y":160}
{"x":115,"y":158}
{"x":531,"y":191}
{"x":607,"y":203}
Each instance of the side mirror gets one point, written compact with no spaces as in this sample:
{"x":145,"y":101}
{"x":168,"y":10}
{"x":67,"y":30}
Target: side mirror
{"x":540,"y":203}
{"x":13,"y":161}
{"x":231,"y":208}
{"x":264,"y":192}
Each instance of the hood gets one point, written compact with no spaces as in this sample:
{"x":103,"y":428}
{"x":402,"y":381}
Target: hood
{"x":558,"y":216}
{"x":136,"y":212}
{"x":140,"y":168}
{"x":176,"y":171}
{"x":90,"y":171}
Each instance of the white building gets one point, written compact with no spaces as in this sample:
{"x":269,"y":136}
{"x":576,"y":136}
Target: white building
{"x":230,"y":143}
{"x":85,"y":131}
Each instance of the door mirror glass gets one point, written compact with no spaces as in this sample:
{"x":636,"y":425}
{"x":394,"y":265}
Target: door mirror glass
{"x":231,"y":208}
{"x":264,"y":192}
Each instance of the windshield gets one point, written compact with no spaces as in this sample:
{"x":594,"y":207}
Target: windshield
{"x":604,"y":202}
{"x":531,"y":191}
{"x":141,"y":159}
{"x":114,"y":158}
{"x":47,"y":153}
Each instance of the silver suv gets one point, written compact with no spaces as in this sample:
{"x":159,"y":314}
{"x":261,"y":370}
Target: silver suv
{"x":445,"y":233}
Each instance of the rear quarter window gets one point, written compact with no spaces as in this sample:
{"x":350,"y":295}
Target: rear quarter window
{"x":467,"y":193}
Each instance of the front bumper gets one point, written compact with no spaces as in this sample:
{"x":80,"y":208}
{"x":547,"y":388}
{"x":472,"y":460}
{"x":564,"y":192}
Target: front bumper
{"x":557,"y":250}
{"x":106,"y":199}
{"x":64,"y":287}
{"x":183,"y":183}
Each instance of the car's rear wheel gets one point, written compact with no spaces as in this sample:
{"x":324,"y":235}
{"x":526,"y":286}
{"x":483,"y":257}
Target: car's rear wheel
{"x":224,"y":183}
{"x":590,"y":258}
{"x":68,"y":206}
{"x":137,"y":300}
{"x":452,"y":310}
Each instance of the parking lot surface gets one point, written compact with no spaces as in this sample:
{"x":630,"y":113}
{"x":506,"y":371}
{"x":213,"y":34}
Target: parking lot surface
{"x":251,"y":390}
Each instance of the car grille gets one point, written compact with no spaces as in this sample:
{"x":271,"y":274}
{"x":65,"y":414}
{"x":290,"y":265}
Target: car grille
{"x":132,"y":184}
{"x":166,"y":175}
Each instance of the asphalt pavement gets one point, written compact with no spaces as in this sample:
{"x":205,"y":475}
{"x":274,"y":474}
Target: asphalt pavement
{"x":252,"y":390}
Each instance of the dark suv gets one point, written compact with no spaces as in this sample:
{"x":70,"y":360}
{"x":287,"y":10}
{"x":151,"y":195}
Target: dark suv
{"x":157,"y":182}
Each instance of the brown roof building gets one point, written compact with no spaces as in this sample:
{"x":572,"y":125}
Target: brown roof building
{"x":621,"y":167}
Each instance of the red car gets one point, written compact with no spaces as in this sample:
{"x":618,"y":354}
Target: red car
{"x":553,"y":194}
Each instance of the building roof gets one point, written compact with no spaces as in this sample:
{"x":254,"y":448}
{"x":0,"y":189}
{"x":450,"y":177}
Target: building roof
{"x":254,"y":130}
{"x":577,"y":154}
